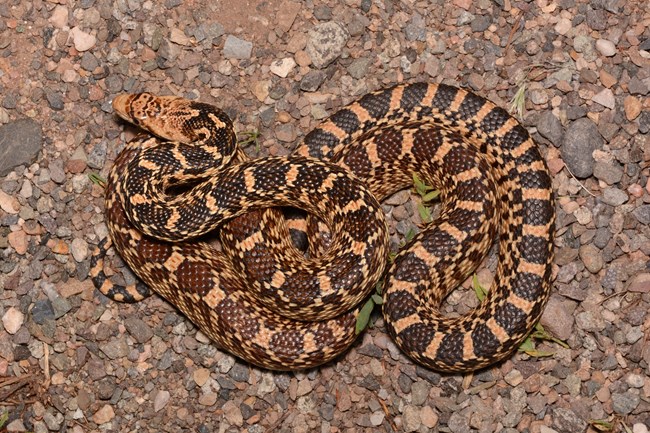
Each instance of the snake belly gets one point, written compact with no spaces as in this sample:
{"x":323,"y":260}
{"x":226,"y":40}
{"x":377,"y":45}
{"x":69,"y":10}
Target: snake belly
{"x":492,"y":180}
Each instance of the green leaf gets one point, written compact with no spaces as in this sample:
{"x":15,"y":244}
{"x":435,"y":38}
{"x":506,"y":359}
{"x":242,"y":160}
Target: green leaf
{"x":409,"y":235}
{"x":430,"y":196}
{"x":378,"y":300}
{"x":4,"y":416}
{"x":425,"y":213}
{"x":480,"y":291}
{"x":601,"y":425}
{"x":364,"y":316}
{"x":97,"y":179}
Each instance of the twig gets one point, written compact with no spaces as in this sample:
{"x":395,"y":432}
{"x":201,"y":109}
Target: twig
{"x":580,"y":183}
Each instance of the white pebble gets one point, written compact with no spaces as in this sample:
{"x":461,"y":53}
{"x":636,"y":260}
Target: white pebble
{"x":13,"y":320}
{"x":282,"y":67}
{"x":605,"y":47}
{"x":82,"y":41}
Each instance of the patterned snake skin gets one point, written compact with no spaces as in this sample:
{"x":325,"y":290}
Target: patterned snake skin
{"x":261,"y":299}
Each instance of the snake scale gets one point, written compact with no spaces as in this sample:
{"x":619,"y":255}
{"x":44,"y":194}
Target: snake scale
{"x":261,"y":299}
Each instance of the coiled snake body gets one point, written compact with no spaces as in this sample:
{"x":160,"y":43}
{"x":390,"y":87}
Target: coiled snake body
{"x":492,"y":180}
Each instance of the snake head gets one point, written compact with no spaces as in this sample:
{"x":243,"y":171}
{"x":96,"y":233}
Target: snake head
{"x":160,"y":115}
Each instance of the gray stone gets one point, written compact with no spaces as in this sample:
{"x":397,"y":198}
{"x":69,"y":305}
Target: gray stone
{"x":550,"y":128}
{"x":236,"y":48}
{"x":614,"y":196}
{"x":481,"y":23}
{"x":42,"y":311}
{"x":566,"y":421}
{"x":642,"y":214}
{"x":558,"y":317}
{"x":116,"y":348}
{"x":326,"y":42}
{"x":54,"y":99}
{"x":591,"y":257}
{"x":625,"y":403}
{"x":415,"y":30}
{"x":20,"y":142}
{"x":580,"y":141}
{"x":138,"y":329}
{"x":608,"y":172}
{"x":239,"y":372}
{"x":359,"y":67}
{"x":312,"y":81}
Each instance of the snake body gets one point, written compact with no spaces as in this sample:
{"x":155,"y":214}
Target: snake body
{"x":492,"y":180}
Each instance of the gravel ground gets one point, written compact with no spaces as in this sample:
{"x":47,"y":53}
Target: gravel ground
{"x":72,"y":360}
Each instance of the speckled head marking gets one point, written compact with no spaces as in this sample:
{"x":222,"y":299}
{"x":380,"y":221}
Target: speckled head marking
{"x":262,"y":301}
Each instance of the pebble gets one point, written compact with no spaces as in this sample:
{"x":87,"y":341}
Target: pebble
{"x":12,"y":320}
{"x":138,"y":329}
{"x":614,"y":196}
{"x":326,"y":42}
{"x":580,"y":140}
{"x":558,"y":317}
{"x":624,"y":403}
{"x":282,"y":67}
{"x":161,"y":400}
{"x":103,"y":415}
{"x":411,"y":418}
{"x":79,"y":249}
{"x":550,"y":128}
{"x":82,"y":41}
{"x":605,"y":47}
{"x":605,"y":98}
{"x":59,"y":17}
{"x":235,"y":48}
{"x":18,"y":241}
{"x":20,"y":143}
{"x":632,"y":107}
{"x":201,"y":376}
{"x":639,"y":283}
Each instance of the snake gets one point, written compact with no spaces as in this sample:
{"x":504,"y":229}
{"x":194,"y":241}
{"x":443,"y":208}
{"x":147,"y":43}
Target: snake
{"x":261,"y":299}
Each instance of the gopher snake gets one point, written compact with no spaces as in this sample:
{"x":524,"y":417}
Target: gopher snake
{"x":491,"y":176}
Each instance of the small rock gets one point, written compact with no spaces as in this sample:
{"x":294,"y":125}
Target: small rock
{"x":18,"y":241}
{"x":605,"y":98}
{"x":411,"y":418}
{"x":428,"y":417}
{"x":639,"y":428}
{"x":201,"y":376}
{"x":632,"y":107}
{"x":138,"y":329}
{"x":282,"y":67}
{"x":558,"y":317}
{"x":312,"y":81}
{"x":563,"y":26}
{"x":20,"y":142}
{"x":639,"y":283}
{"x":550,"y":128}
{"x":605,"y":47}
{"x":642,"y":214}
{"x":208,"y":399}
{"x":12,"y":320}
{"x":359,"y":67}
{"x":161,"y":400}
{"x":377,"y":418}
{"x":287,"y":14}
{"x":233,"y":414}
{"x":566,"y":421}
{"x":326,"y":42}
{"x":104,"y":415}
{"x":580,"y":140}
{"x":624,"y":403}
{"x":614,"y":196}
{"x":235,"y":48}
{"x":59,"y":17}
{"x":82,"y":41}
{"x":79,"y":249}
{"x":591,"y":257}
{"x":416,"y":30}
